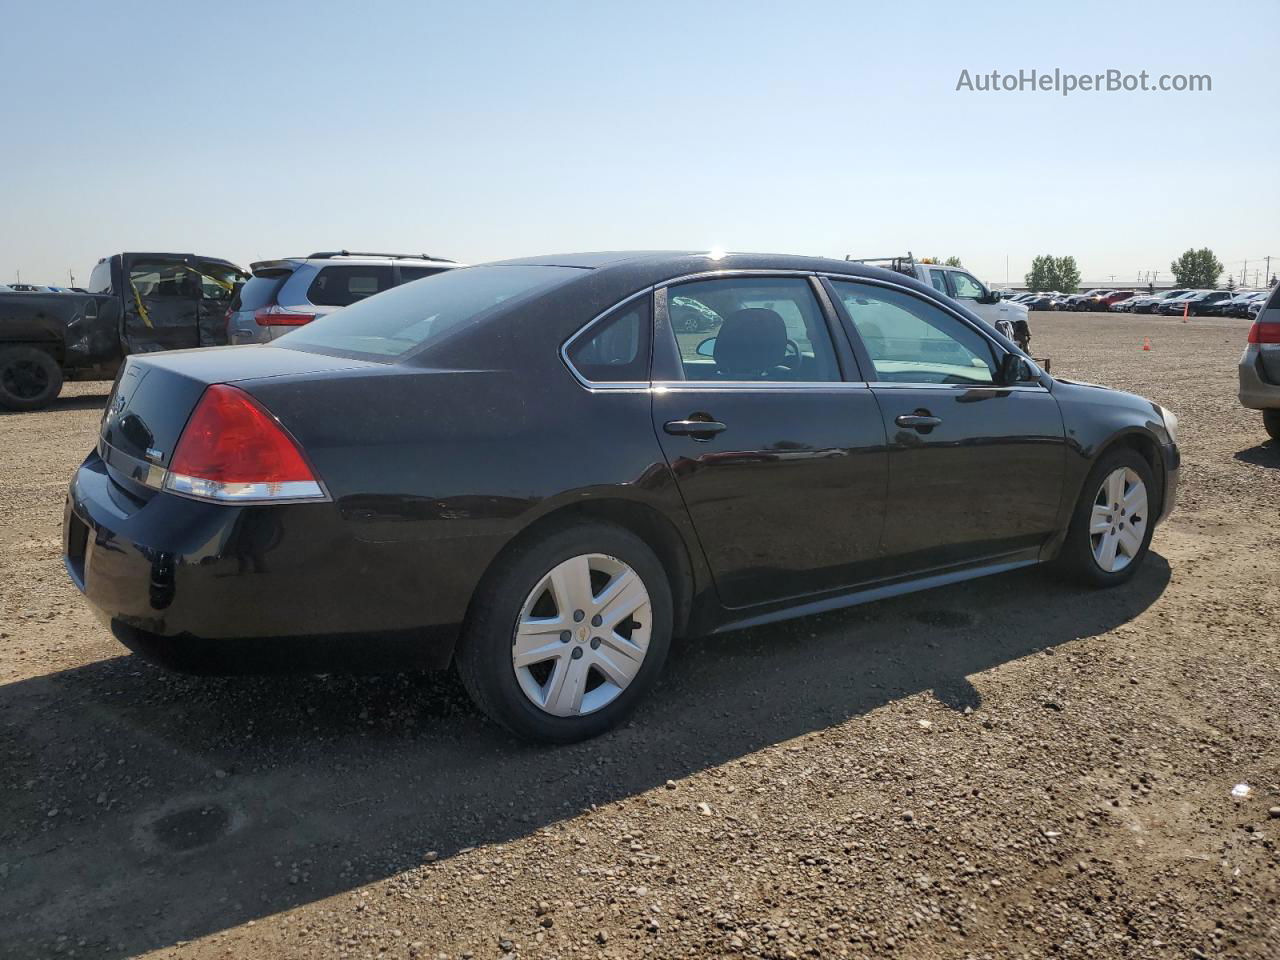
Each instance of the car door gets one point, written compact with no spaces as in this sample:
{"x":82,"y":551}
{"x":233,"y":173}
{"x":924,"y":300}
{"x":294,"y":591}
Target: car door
{"x":161,"y":304}
{"x":975,"y":466}
{"x":777,"y":445}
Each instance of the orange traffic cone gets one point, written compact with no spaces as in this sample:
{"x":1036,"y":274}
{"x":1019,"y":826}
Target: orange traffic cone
{"x":1146,"y":343}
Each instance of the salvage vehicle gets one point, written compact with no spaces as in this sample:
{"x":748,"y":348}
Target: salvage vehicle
{"x":525,"y":470}
{"x":138,"y":303}
{"x":287,"y":293}
{"x":1260,"y":363}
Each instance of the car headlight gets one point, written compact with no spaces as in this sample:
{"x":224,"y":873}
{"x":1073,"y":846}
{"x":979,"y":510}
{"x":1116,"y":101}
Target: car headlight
{"x":1170,"y":422}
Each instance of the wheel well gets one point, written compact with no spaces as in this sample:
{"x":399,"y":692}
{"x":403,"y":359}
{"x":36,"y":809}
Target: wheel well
{"x":645,"y":522}
{"x":52,"y":347}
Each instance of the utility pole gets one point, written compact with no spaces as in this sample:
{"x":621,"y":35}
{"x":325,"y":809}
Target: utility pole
{"x":1244,"y":275}
{"x":1268,"y":259}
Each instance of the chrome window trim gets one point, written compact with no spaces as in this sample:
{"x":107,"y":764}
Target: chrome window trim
{"x":897,"y":385}
{"x":768,"y":386}
{"x":603,"y":385}
{"x":638,"y":385}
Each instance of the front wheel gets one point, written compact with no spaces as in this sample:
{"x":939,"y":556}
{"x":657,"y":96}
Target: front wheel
{"x":1113,"y":521}
{"x":565,"y":638}
{"x":1271,"y":421}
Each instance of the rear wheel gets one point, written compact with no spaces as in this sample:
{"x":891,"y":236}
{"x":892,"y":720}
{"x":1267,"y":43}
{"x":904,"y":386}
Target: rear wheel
{"x":1271,"y":420}
{"x":29,"y":378}
{"x":1113,"y":522}
{"x":566,"y":637}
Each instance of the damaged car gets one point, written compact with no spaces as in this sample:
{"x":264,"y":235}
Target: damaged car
{"x":137,"y":303}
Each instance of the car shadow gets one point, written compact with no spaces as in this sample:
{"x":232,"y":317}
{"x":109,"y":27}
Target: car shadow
{"x":1263,"y":455}
{"x":142,"y":808}
{"x":84,"y":401}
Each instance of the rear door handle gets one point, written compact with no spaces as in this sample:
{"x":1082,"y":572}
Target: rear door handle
{"x":920,"y":421}
{"x":698,"y":429}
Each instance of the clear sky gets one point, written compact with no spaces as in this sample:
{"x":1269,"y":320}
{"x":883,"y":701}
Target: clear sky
{"x":484,"y":130}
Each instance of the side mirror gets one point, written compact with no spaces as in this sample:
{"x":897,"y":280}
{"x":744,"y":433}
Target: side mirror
{"x":1015,"y":369}
{"x":989,"y":297}
{"x":707,"y":348}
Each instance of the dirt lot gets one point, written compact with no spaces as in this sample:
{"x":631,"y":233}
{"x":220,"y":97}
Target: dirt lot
{"x":1014,"y":767}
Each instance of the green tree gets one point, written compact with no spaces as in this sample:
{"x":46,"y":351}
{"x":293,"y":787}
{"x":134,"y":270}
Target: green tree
{"x":953,"y":262}
{"x":1196,"y":268}
{"x":1043,"y":274}
{"x":1068,"y":274}
{"x":1053,"y":273}
{"x":1231,"y":282}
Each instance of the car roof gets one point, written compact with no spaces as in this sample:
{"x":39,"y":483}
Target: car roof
{"x":657,"y":266}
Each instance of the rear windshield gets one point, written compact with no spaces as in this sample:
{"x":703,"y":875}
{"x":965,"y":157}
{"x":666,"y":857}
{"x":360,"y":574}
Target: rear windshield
{"x":260,"y":292}
{"x":414,"y":315}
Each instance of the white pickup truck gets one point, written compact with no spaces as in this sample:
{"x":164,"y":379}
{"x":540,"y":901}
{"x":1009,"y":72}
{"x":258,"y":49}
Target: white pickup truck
{"x":962,"y":286}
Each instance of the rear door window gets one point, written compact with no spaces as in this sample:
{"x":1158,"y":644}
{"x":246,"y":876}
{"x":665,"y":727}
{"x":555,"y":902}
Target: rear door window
{"x":163,"y":279}
{"x":345,"y":284}
{"x":752,"y":328}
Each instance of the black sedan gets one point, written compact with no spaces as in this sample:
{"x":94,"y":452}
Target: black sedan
{"x":528,"y":470}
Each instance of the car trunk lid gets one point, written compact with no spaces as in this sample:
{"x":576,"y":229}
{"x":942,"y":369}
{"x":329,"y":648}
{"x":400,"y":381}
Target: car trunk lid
{"x":155,"y":394}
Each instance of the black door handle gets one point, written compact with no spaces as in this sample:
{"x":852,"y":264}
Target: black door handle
{"x":698,"y":429}
{"x":920,"y":421}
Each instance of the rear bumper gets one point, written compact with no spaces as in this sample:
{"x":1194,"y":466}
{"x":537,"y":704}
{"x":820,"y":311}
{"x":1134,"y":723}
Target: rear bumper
{"x":212,"y":588}
{"x":1256,"y":391}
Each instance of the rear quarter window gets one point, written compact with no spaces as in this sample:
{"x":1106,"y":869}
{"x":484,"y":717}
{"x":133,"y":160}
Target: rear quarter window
{"x":341,"y":286}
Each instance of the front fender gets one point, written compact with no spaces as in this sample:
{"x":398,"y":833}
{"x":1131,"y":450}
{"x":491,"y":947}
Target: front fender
{"x":1096,"y":419}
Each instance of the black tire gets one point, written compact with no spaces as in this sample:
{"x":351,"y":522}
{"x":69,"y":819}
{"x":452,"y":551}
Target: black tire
{"x":1077,"y":559}
{"x":29,"y":378}
{"x":1271,"y":421}
{"x":484,"y":650}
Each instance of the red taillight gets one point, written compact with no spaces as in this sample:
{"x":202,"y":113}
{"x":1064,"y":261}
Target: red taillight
{"x":275,"y":317}
{"x":1264,"y":333}
{"x":233,"y":450}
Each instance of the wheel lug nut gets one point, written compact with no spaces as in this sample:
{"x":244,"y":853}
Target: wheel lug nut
{"x":577,"y":616}
{"x":577,"y":653}
{"x":595,"y":643}
{"x":566,"y":636}
{"x":597,"y":620}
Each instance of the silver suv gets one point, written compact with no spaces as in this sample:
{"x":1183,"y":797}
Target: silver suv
{"x":1260,"y":365}
{"x":284,"y":294}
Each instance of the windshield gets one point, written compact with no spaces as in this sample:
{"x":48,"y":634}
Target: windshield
{"x":409,"y":317}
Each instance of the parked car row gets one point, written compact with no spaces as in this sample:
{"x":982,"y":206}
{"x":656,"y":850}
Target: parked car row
{"x":1198,"y":303}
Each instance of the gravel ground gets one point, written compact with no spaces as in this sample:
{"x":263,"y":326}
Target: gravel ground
{"x":1009,"y":768}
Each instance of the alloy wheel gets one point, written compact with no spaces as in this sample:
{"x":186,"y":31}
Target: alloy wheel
{"x":1118,"y":522}
{"x":582,"y":635}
